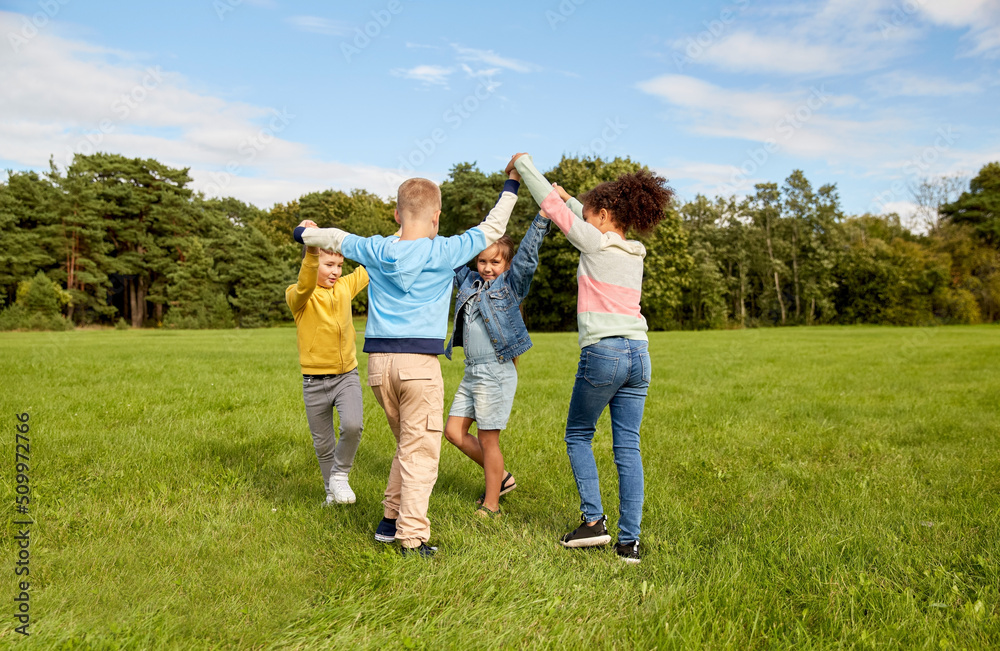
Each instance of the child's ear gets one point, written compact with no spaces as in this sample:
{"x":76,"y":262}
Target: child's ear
{"x":395,"y":214}
{"x":435,"y":220}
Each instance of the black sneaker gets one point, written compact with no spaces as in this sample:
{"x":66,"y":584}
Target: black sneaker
{"x":628,"y":551}
{"x":587,"y":535}
{"x":423,"y":551}
{"x":386,"y":531}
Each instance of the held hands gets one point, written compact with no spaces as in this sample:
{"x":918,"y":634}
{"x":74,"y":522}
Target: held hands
{"x":308,"y":223}
{"x":565,"y":196}
{"x":509,"y":170}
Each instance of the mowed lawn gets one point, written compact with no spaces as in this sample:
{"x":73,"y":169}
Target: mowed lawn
{"x":805,"y":488}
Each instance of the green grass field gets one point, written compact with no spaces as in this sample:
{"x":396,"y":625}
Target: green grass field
{"x":805,"y":488}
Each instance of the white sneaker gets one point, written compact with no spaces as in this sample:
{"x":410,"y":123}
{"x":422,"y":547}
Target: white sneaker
{"x":342,"y":493}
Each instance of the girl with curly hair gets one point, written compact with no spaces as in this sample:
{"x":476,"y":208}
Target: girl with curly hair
{"x":614,"y":369}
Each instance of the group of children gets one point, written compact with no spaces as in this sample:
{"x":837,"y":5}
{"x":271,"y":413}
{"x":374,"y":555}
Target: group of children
{"x":412,"y":276}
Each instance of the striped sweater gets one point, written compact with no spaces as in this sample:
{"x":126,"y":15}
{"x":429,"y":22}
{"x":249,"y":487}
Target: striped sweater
{"x":609,"y":277}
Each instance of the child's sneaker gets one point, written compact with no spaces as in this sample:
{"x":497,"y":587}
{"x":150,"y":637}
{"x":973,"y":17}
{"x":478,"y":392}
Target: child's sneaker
{"x":341,"y":490}
{"x":423,"y":551}
{"x":386,"y":531}
{"x":587,"y":535}
{"x":628,"y":551}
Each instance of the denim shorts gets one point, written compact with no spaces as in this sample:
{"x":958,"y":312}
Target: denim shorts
{"x":486,"y":394}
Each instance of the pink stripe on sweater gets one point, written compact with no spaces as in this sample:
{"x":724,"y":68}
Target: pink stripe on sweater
{"x":558,"y":211}
{"x":596,"y":296}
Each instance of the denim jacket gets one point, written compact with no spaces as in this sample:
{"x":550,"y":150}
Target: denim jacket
{"x":502,"y":297}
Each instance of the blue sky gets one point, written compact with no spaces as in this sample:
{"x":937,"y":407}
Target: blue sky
{"x":267,"y":100}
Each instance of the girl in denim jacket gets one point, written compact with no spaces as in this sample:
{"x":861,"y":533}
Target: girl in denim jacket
{"x":489,"y":326}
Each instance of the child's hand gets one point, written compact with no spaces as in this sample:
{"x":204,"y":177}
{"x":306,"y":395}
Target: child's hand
{"x":565,"y":196}
{"x":514,"y":176}
{"x":543,"y":214}
{"x":308,"y":223}
{"x":510,"y":165}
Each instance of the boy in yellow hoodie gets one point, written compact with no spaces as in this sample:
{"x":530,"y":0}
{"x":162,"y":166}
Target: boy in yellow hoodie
{"x":321,"y":305}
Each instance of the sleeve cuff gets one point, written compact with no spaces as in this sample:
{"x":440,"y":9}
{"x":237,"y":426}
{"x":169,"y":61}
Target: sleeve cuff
{"x":510,"y":185}
{"x":297,"y":234}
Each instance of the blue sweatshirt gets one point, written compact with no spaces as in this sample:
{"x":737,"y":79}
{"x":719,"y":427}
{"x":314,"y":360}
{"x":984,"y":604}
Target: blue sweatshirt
{"x":410,"y":281}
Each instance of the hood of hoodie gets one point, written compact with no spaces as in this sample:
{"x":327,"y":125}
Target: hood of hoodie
{"x":632,"y":247}
{"x":401,"y":261}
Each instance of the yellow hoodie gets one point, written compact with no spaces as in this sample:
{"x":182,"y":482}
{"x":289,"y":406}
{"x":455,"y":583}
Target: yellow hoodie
{"x":323,"y":319}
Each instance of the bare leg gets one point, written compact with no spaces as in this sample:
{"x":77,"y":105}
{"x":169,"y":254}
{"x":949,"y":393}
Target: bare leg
{"x":489,"y":440}
{"x":457,"y":432}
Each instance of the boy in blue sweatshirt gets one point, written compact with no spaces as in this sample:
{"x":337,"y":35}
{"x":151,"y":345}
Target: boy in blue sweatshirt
{"x":409,"y":293}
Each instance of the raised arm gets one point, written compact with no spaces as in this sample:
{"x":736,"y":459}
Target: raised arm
{"x":297,"y":296}
{"x":331,"y":239}
{"x":462,"y":248}
{"x":582,"y":235}
{"x":495,"y":224}
{"x":522,"y":267}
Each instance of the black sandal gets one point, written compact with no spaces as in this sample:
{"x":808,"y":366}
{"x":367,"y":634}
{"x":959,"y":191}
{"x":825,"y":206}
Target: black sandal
{"x":507,"y":485}
{"x":487,"y":513}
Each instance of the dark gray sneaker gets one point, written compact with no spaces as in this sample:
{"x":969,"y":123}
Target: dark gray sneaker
{"x":587,"y":535}
{"x":386,"y":531}
{"x":628,"y":551}
{"x":423,"y":551}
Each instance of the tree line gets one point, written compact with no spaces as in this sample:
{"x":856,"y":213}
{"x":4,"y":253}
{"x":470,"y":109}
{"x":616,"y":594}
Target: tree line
{"x":113,"y":240}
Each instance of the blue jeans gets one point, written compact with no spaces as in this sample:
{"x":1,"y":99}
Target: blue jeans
{"x":614,"y":372}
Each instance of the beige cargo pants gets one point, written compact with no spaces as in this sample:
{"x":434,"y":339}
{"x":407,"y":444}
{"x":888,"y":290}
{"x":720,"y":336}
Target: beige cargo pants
{"x":410,"y":390}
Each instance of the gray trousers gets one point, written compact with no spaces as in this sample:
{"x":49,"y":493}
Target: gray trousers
{"x":322,"y":396}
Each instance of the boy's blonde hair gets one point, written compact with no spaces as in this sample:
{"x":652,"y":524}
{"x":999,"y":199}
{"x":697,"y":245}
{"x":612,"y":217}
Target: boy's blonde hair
{"x":418,"y":198}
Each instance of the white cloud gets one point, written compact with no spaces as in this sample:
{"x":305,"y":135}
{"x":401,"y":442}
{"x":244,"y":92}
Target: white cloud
{"x":491,"y":58}
{"x":428,"y":74}
{"x":838,"y":36}
{"x":907,"y":84}
{"x":980,"y":17}
{"x":907,"y":211}
{"x":802,"y":122}
{"x":748,"y":52}
{"x":710,"y":179}
{"x":62,"y":97}
{"x":486,"y":72}
{"x":317,"y":25}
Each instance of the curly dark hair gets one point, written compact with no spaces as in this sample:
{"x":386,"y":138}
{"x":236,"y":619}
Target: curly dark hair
{"x":636,"y":201}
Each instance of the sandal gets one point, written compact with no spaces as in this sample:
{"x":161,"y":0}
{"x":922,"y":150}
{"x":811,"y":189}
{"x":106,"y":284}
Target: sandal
{"x":486,"y":513}
{"x":507,"y":485}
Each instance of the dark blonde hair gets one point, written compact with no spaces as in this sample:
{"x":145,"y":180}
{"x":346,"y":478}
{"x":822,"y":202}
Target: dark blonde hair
{"x":506,"y":246}
{"x":418,"y":197}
